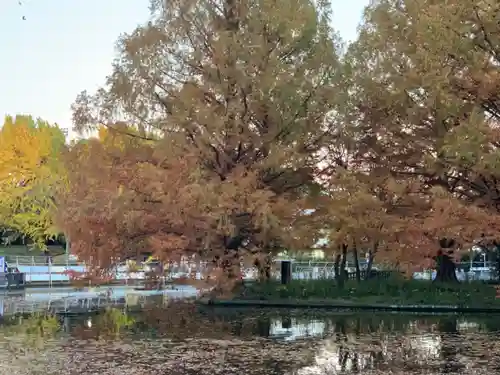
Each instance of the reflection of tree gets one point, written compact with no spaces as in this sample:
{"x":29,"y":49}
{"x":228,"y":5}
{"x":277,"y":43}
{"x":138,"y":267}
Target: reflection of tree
{"x":450,"y":346}
{"x":31,"y":332}
{"x":24,"y":339}
{"x":263,"y":326}
{"x":358,"y":345}
{"x":190,"y":341}
{"x":112,"y":323}
{"x":354,"y":357}
{"x":341,"y":341}
{"x":341,"y":353}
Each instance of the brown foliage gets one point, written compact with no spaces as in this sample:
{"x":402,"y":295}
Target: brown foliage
{"x":423,"y":111}
{"x":233,"y":111}
{"x":226,"y":104}
{"x":135,"y":198}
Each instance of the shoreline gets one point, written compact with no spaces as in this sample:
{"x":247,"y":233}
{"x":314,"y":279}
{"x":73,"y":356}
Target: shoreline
{"x":345,"y":305}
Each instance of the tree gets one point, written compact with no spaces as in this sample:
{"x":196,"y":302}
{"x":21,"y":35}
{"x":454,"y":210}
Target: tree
{"x":243,"y":88}
{"x":357,"y":218}
{"x":106,"y":219}
{"x":128,"y":199}
{"x":31,"y":176}
{"x":423,"y":108}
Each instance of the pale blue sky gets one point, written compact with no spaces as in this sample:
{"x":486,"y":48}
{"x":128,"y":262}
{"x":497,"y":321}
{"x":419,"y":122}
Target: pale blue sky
{"x":66,"y":46}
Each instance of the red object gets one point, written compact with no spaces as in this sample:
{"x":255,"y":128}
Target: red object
{"x":498,"y":291}
{"x":73,"y":275}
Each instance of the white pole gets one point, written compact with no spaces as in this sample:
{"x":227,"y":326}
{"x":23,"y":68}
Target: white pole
{"x":50,"y":273}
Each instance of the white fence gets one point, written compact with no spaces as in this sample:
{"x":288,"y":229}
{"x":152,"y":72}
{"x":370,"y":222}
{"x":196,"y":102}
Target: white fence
{"x":36,"y":269}
{"x":15,"y":261}
{"x":53,"y":273}
{"x":466,"y":271}
{"x":40,"y":270}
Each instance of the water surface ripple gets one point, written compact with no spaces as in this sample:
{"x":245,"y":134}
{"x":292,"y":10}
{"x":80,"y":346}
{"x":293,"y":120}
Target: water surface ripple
{"x":261,"y":342}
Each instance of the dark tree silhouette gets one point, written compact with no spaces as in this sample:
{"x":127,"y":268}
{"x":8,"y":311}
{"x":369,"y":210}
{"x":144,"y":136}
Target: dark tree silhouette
{"x":445,"y":265}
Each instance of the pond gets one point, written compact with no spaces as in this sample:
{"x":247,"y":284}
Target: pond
{"x":184,"y":339}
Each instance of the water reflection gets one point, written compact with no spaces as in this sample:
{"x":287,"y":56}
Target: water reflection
{"x":185,"y":340}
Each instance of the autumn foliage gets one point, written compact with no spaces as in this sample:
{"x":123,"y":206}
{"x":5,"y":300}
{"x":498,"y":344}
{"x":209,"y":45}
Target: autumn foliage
{"x":232,"y":130}
{"x":222,"y":161}
{"x":155,"y":198}
{"x":423,"y":74}
{"x":31,"y":177}
{"x":265,"y":136}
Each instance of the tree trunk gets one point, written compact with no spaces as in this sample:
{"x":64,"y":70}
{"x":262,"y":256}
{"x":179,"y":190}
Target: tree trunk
{"x":343,"y":261}
{"x":229,"y":279}
{"x":67,"y":248}
{"x":229,"y":264}
{"x":268,"y":266}
{"x":369,"y":264}
{"x":445,"y":269}
{"x":231,"y":268}
{"x":263,"y":266}
{"x":340,"y":262}
{"x":445,"y":266}
{"x":497,"y":259}
{"x":336,"y":268}
{"x":356,"y":263}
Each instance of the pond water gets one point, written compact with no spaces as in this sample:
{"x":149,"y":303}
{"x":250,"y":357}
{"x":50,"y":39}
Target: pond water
{"x":184,"y":339}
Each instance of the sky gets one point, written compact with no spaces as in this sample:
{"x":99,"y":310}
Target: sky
{"x":65,"y":46}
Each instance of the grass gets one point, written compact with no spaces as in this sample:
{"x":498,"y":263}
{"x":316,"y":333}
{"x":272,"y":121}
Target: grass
{"x":391,"y":291}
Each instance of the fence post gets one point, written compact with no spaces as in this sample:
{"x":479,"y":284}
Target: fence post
{"x":286,"y":271}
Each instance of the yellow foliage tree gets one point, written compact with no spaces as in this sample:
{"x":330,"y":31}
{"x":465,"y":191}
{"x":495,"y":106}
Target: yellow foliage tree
{"x":30,"y":176}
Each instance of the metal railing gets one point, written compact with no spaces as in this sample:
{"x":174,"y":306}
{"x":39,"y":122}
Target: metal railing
{"x":466,"y":266}
{"x":37,"y":269}
{"x":69,"y":305}
{"x":472,"y":267}
{"x":39,"y":261}
{"x":322,"y":269}
{"x":88,"y":304}
{"x":466,"y":271}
